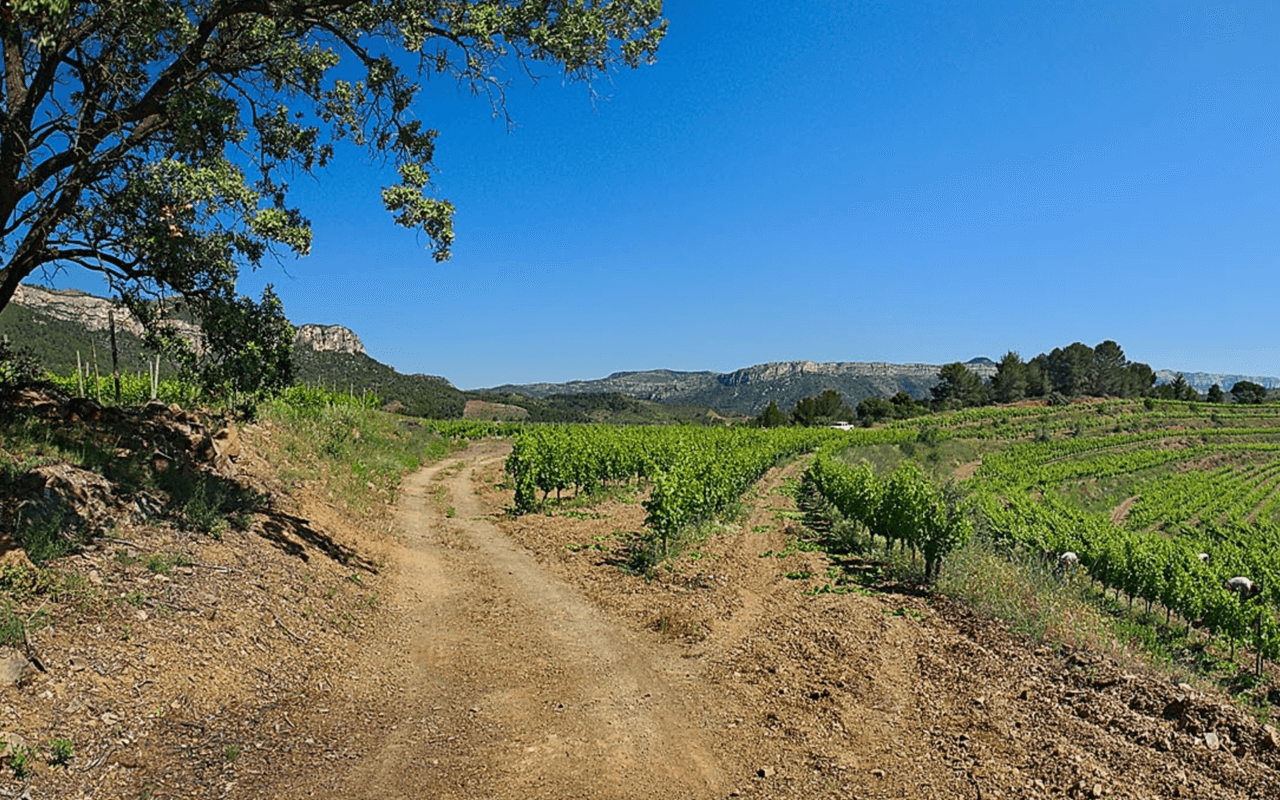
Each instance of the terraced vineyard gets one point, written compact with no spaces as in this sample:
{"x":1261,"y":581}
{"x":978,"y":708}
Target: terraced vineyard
{"x":1138,"y":489}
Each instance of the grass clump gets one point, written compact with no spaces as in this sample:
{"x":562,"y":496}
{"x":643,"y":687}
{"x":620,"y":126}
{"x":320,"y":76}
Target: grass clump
{"x":361,"y":453}
{"x":1025,"y":594}
{"x":1068,"y":612}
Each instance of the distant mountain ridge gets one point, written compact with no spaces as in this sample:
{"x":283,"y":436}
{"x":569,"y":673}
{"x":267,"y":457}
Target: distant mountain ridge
{"x":60,"y":324}
{"x":1202,"y":381}
{"x":750,"y":389}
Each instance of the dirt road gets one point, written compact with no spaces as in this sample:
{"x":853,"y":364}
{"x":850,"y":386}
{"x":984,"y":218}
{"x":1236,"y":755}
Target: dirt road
{"x":510,"y":682}
{"x":518,"y":663}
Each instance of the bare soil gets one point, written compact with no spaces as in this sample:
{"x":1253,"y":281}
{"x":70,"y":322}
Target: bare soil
{"x":1121,"y":512}
{"x":443,"y":649}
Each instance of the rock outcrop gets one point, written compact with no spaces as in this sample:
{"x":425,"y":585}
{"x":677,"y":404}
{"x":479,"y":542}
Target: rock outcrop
{"x":329,"y":339}
{"x":95,"y":314}
{"x":90,"y":312}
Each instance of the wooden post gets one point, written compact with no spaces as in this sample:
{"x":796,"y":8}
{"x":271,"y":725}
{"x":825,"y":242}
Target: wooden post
{"x":115,"y":360}
{"x":1257,"y":643}
{"x":97,"y":379}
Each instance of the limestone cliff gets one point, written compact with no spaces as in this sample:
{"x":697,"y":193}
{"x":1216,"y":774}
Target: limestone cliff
{"x":87,"y":311}
{"x":329,"y":339}
{"x":94,"y":314}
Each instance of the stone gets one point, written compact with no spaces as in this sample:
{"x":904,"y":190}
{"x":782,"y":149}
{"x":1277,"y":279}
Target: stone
{"x":14,"y":667}
{"x":10,"y":742}
{"x":1176,"y":708}
{"x":69,"y":496}
{"x":13,"y":555}
{"x":1269,"y":738}
{"x":766,"y":772}
{"x":226,"y":444}
{"x":1212,"y":741}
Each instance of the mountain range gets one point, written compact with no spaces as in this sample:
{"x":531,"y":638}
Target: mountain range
{"x":748,"y":390}
{"x":59,"y":325}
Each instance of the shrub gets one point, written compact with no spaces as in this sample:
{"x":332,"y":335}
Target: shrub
{"x":18,"y":365}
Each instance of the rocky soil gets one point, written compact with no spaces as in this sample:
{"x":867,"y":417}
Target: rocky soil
{"x":443,"y":649}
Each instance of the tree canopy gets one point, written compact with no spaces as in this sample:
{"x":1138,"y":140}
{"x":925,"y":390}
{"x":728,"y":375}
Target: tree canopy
{"x":1248,"y":392}
{"x":958,"y":386}
{"x":153,"y":141}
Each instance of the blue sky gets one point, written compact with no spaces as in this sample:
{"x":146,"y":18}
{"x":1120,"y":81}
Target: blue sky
{"x":838,"y":181}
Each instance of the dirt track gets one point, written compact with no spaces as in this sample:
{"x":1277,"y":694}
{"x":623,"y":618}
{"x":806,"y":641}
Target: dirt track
{"x":511,"y":684}
{"x":517,"y":667}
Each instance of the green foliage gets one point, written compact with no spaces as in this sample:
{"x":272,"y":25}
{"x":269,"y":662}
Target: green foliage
{"x":46,"y":536}
{"x":246,"y":347}
{"x":828,"y":404}
{"x":18,"y":365}
{"x":162,"y":564}
{"x":1009,"y":384}
{"x":695,"y":475}
{"x":206,"y":503}
{"x":14,"y":627}
{"x":806,"y":412}
{"x":958,"y":387}
{"x":1074,"y":371}
{"x":142,"y":177}
{"x":906,"y":508}
{"x":356,"y":373}
{"x":823,"y":409}
{"x":60,"y":752}
{"x":771,"y":417}
{"x":353,"y":446}
{"x":1248,"y":392}
{"x":304,"y":399}
{"x":1228,"y":510}
{"x":135,"y":389}
{"x":615,"y":409}
{"x":875,"y":409}
{"x":21,"y":759}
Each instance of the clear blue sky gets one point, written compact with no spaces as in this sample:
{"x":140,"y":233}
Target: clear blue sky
{"x":839,"y":181}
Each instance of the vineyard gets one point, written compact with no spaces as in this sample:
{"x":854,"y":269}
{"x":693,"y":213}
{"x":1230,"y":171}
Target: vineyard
{"x":1137,"y":489}
{"x":1191,"y":479}
{"x":1163,"y":502}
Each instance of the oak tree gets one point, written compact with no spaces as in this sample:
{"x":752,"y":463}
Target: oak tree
{"x":154,"y":141}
